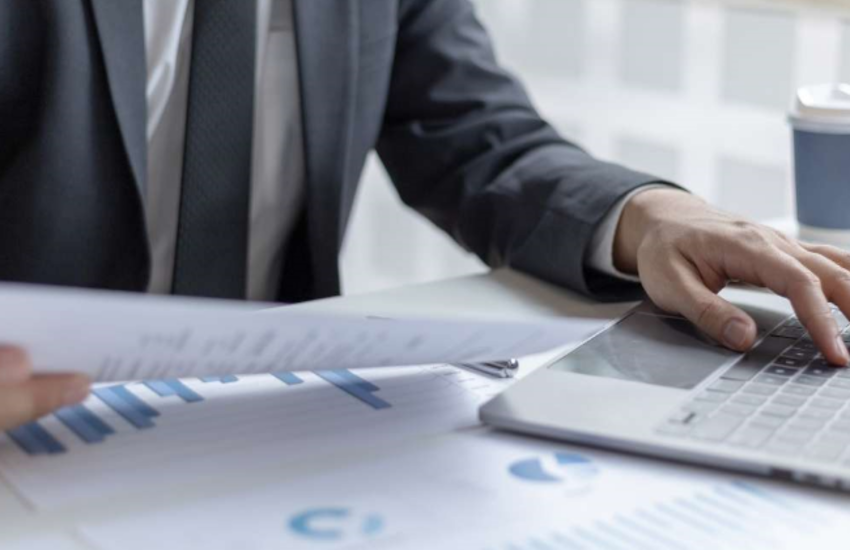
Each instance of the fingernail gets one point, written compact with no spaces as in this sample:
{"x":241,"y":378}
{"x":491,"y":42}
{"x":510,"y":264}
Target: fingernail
{"x":77,"y":393}
{"x":735,"y":334}
{"x":841,"y":348}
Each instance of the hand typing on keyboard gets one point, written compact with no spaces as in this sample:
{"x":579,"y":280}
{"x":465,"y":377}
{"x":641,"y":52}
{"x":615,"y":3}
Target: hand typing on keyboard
{"x":782,"y":398}
{"x":685,"y":252}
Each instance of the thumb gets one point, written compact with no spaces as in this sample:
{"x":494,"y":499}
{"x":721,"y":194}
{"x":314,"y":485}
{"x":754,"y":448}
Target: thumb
{"x":39,"y":396}
{"x":724,"y":322}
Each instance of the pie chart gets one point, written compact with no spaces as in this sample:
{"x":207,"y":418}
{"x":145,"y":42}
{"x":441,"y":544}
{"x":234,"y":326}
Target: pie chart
{"x":571,"y":471}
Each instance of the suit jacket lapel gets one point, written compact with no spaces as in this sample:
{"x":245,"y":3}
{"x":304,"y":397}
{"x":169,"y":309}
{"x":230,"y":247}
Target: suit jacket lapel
{"x":120,"y":26}
{"x":327,"y":38}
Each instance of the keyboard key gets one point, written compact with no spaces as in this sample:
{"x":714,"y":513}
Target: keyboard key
{"x":842,"y":383}
{"x":764,"y":421}
{"x":806,"y":380}
{"x":682,"y":416}
{"x":717,"y":427}
{"x":783,"y":448}
{"x":791,"y":362}
{"x":816,"y":414}
{"x":753,"y":362}
{"x":790,"y":332}
{"x":835,"y":438}
{"x":807,"y":424}
{"x":835,"y":393}
{"x":778,"y":410}
{"x":830,"y":404}
{"x":759,"y":389}
{"x":806,"y":354}
{"x":702,"y":407}
{"x":738,"y":410}
{"x":825,"y":452}
{"x":798,"y":437}
{"x":777,"y":370}
{"x":803,"y":391}
{"x":713,"y":397}
{"x":819,"y":370}
{"x":820,"y":362}
{"x":843,"y":372}
{"x":806,"y":345}
{"x":751,"y":437}
{"x":771,"y":379}
{"x":789,"y":400}
{"x":726,"y":386}
{"x":841,"y":425}
{"x":752,"y":400}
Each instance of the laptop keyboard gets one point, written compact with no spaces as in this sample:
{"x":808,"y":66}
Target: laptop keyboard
{"x":782,"y":398}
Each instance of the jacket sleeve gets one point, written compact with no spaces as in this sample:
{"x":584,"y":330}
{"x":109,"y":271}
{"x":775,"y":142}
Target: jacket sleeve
{"x":466,"y":148}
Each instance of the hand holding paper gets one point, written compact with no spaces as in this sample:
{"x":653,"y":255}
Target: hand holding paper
{"x":116,"y":336}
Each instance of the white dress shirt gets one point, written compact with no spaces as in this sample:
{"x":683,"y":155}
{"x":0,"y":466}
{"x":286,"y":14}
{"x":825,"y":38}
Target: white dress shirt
{"x":601,"y":251}
{"x":278,"y":173}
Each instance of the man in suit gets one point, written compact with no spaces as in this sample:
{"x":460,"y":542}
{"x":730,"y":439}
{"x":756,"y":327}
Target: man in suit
{"x":213,"y":148}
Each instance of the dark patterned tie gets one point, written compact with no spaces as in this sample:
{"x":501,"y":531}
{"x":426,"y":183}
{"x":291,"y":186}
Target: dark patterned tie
{"x":212,"y":233}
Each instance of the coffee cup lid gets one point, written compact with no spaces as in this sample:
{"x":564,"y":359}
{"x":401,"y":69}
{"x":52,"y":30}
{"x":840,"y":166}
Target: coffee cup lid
{"x":823,"y":104}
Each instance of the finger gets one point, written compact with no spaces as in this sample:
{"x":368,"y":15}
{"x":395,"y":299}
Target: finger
{"x":39,"y":396}
{"x":15,"y":367}
{"x":835,"y":280}
{"x":837,"y":255}
{"x":712,"y":314}
{"x":787,"y":276}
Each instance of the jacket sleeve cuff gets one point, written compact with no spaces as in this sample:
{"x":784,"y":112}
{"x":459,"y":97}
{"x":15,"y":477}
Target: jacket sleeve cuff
{"x":600,"y":255}
{"x":558,"y":249}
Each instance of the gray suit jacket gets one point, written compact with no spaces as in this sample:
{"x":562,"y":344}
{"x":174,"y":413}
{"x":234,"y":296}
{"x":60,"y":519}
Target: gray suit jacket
{"x":416,"y":79}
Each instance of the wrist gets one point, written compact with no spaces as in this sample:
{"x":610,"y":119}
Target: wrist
{"x":641,"y":216}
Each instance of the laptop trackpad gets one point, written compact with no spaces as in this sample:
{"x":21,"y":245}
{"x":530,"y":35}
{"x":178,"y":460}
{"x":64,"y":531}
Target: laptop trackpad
{"x":649,"y":348}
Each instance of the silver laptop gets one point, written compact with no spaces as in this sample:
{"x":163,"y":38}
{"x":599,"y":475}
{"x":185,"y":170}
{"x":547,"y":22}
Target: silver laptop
{"x":650,"y":383}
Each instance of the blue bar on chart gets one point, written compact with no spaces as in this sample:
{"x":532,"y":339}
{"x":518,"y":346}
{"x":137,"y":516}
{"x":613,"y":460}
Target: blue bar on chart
{"x":128,"y":406}
{"x":71,"y":418}
{"x":287,"y":378}
{"x":172,"y":386}
{"x":160,"y":388}
{"x":354,"y":379}
{"x":94,"y":420}
{"x":354,"y":386}
{"x":229,"y":379}
{"x":35,"y":440}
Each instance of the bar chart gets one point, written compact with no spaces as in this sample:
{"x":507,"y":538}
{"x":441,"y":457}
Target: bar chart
{"x":737,"y":514}
{"x":172,"y":431}
{"x":34,"y":439}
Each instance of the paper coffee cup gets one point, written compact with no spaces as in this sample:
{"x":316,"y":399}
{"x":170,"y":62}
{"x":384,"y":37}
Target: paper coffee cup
{"x":821,"y":122}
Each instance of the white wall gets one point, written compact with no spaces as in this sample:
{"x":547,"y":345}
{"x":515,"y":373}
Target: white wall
{"x":690,"y":90}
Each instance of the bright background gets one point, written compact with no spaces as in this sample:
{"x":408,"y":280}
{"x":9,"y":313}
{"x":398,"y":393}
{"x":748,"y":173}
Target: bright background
{"x":691,"y":90}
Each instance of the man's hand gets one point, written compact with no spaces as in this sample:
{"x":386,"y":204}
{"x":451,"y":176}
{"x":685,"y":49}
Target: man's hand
{"x":685,"y":252}
{"x":24,"y":397}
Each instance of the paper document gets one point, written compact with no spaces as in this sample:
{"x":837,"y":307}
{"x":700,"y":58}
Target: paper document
{"x":487,"y":491}
{"x":153,"y":436}
{"x":118,"y":336}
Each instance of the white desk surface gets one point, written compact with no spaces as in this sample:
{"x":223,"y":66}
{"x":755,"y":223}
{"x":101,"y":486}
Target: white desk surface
{"x":501,"y":294}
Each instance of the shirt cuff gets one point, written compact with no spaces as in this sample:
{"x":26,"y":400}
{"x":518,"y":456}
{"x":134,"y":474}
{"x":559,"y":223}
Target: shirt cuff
{"x":601,"y":252}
